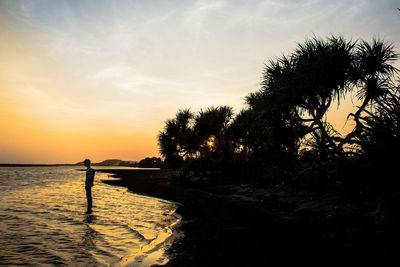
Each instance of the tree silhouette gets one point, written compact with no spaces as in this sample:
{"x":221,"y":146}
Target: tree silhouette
{"x":175,"y":142}
{"x":285,"y":122}
{"x":212,"y":123}
{"x":298,"y":89}
{"x":188,"y":135}
{"x":373,"y":79}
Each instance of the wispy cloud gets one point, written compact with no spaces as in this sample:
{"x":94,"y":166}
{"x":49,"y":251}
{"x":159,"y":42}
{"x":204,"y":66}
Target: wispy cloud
{"x":196,"y":17}
{"x":140,"y":61}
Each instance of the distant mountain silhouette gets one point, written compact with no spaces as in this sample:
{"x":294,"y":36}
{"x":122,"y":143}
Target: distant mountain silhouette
{"x":113,"y":162}
{"x":116,"y":162}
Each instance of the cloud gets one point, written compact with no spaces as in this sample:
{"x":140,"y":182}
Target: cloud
{"x":196,"y":16}
{"x":138,"y":62}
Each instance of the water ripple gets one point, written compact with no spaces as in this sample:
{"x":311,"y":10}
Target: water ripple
{"x":42,"y":220}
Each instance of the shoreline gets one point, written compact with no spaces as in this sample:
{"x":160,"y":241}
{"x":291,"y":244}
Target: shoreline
{"x":237,"y":225}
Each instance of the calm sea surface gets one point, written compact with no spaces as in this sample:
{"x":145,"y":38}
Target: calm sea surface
{"x":43,"y":221}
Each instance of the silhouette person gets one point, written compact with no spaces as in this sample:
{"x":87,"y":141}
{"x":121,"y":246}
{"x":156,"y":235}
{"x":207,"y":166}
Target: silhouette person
{"x":88,"y":184}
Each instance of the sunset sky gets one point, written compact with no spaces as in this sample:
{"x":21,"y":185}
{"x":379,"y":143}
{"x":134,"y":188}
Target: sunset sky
{"x":98,"y":79}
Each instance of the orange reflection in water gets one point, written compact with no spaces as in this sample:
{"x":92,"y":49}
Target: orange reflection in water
{"x":45,"y":207}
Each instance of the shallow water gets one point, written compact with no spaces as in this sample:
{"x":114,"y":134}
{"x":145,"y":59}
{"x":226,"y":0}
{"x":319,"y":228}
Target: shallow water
{"x":43,"y":220}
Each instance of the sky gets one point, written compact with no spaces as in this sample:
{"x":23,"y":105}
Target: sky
{"x":97,"y":79}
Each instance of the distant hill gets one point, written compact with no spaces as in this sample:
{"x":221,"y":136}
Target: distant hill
{"x":153,"y":162}
{"x":113,"y":162}
{"x":116,"y":162}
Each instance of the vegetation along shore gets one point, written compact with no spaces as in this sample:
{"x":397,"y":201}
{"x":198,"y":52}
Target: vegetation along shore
{"x":277,"y":183}
{"x":243,"y":225}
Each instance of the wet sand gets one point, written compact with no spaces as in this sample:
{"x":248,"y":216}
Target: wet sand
{"x":239,"y":225}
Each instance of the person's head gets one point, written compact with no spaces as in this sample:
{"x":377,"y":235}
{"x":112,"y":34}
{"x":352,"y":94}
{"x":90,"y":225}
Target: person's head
{"x":86,"y":162}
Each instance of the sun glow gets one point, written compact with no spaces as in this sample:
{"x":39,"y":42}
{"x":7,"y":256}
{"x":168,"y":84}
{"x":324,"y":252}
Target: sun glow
{"x":210,"y":142}
{"x":99,"y":78}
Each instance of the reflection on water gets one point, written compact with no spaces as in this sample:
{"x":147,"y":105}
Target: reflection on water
{"x":43,"y":220}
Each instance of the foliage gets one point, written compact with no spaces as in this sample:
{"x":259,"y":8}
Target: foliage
{"x":152,"y":162}
{"x":189,"y":136}
{"x":174,"y":141}
{"x":283,"y":132}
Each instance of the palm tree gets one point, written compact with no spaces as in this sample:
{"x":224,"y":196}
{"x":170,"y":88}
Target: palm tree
{"x":212,"y":123}
{"x":372,"y":78}
{"x":298,"y":89}
{"x":381,"y":128}
{"x":323,"y":69}
{"x":174,"y":141}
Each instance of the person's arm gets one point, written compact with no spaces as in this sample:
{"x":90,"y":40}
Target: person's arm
{"x":92,"y":180}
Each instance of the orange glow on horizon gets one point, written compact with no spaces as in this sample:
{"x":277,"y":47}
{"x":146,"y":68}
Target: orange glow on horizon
{"x":98,"y":80}
{"x":47,"y":117}
{"x":30,"y":138}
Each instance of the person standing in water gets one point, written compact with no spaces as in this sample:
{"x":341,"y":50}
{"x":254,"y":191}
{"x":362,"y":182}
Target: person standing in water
{"x":88,"y":184}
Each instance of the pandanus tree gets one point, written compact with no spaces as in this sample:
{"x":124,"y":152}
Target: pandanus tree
{"x":188,"y":135}
{"x":323,"y":71}
{"x":380,"y":134}
{"x":175,"y":140}
{"x":210,"y":129}
{"x":273,"y":120}
{"x":373,"y":79}
{"x":244,"y":132}
{"x":289,"y":112}
{"x":298,"y":89}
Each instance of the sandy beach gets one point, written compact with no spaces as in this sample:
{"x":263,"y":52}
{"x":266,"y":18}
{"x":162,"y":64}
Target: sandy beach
{"x":238,"y":225}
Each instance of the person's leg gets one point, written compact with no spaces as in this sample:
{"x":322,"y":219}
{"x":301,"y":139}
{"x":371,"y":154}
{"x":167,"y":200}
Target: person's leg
{"x":89,"y":198}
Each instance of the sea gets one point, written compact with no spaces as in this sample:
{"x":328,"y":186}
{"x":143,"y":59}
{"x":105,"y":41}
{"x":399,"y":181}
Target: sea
{"x":43,"y":221}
